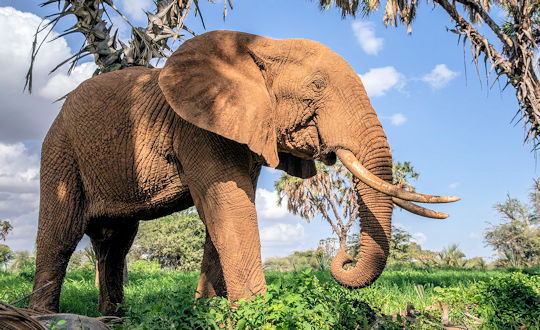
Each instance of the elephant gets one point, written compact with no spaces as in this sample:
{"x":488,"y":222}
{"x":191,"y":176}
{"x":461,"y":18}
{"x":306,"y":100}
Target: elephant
{"x":141,"y":143}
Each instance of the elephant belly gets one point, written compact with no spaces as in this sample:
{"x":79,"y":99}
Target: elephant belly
{"x":143,"y":188}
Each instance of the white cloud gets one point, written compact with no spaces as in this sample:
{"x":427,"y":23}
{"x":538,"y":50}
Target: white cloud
{"x":365,"y":34}
{"x":26,"y":117}
{"x":419,"y":238}
{"x":474,"y":235}
{"x":453,"y":185}
{"x":378,"y":81}
{"x":282,"y":233}
{"x":19,"y":169}
{"x":135,"y":8}
{"x":61,"y":84}
{"x":398,"y":119}
{"x":440,"y":76}
{"x":19,"y":193}
{"x":266,"y":203}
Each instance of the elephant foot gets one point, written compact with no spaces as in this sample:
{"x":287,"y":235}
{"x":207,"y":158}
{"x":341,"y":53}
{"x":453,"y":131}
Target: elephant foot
{"x":111,"y":309}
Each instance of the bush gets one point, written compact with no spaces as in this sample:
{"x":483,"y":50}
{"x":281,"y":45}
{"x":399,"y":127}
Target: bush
{"x":27,"y":269}
{"x":511,"y":301}
{"x":145,"y":266}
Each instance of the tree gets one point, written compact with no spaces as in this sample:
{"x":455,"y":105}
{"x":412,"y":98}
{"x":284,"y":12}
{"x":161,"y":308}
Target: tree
{"x":165,"y":24}
{"x":403,"y":174}
{"x":518,"y":38}
{"x":5,"y":252}
{"x":20,"y":258}
{"x":402,"y":249}
{"x":298,"y":260}
{"x":517,"y":238}
{"x":5,"y":255}
{"x":330,"y":193}
{"x":451,"y":256}
{"x":5,"y":228}
{"x":399,"y":245}
{"x":175,"y":241}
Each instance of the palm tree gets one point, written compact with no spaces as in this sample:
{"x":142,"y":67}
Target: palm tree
{"x":330,"y":193}
{"x":165,"y":25}
{"x":518,"y":38}
{"x":452,"y":256}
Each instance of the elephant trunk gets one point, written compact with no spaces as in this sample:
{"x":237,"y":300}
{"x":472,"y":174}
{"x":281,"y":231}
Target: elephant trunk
{"x":375,"y":212}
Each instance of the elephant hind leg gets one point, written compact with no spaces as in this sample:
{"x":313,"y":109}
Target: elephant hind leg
{"x":111,"y":239}
{"x":61,"y":223}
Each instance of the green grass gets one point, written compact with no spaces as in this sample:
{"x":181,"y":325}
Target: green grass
{"x":165,"y":299}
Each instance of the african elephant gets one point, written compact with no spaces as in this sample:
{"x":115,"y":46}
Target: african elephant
{"x":140,"y":143}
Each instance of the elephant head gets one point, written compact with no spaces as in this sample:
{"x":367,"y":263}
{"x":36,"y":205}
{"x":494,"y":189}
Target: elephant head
{"x":292,"y":102}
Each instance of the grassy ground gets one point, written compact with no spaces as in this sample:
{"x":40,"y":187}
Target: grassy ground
{"x":164,"y":299}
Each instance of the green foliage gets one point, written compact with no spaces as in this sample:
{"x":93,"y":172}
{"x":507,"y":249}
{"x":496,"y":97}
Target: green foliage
{"x":476,"y":263}
{"x":163,"y":299}
{"x":402,"y":250}
{"x":5,"y":254}
{"x":145,"y":266}
{"x":451,"y":256}
{"x":313,"y":259}
{"x":517,"y":238}
{"x":296,"y":301}
{"x":331,"y":194}
{"x":27,"y":269}
{"x":402,"y":174}
{"x":20,"y":258}
{"x":175,"y":241}
{"x":511,"y":301}
{"x":5,"y":228}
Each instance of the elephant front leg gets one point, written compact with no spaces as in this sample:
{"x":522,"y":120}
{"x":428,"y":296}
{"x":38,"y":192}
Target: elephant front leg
{"x":233,"y":245}
{"x":211,"y":281}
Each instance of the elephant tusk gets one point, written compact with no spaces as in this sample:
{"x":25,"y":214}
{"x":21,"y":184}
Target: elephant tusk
{"x":419,"y":210}
{"x":349,"y":160}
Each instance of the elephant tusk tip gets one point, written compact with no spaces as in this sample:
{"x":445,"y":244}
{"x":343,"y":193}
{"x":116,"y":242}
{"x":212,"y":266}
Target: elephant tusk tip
{"x":419,"y":210}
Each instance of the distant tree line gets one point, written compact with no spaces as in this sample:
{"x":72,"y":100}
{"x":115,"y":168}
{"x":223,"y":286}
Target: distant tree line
{"x":176,"y":241}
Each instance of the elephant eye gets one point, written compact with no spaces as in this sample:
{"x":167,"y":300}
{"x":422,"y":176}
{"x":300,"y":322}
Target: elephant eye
{"x":318,"y":84}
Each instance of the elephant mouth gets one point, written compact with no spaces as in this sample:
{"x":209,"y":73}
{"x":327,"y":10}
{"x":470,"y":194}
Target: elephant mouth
{"x":328,"y":158}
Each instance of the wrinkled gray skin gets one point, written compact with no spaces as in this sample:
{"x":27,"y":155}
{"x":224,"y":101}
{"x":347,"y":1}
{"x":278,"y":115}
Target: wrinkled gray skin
{"x":140,"y":143}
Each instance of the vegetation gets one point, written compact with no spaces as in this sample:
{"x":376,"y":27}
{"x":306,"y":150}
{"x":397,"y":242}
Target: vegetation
{"x":517,"y":238}
{"x":5,"y":252}
{"x":157,"y":298}
{"x":5,"y":228}
{"x":330,"y":193}
{"x":175,"y":241}
{"x":508,"y":48}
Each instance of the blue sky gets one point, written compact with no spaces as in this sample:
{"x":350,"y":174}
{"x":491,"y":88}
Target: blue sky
{"x":435,"y":111}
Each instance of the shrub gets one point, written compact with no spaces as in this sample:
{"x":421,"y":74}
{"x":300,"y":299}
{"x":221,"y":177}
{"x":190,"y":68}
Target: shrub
{"x":145,"y":266}
{"x":27,"y":269}
{"x":511,"y":301}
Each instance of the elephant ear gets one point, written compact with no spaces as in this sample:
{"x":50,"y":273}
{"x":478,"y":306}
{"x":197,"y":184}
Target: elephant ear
{"x":216,"y":82}
{"x":295,"y":166}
